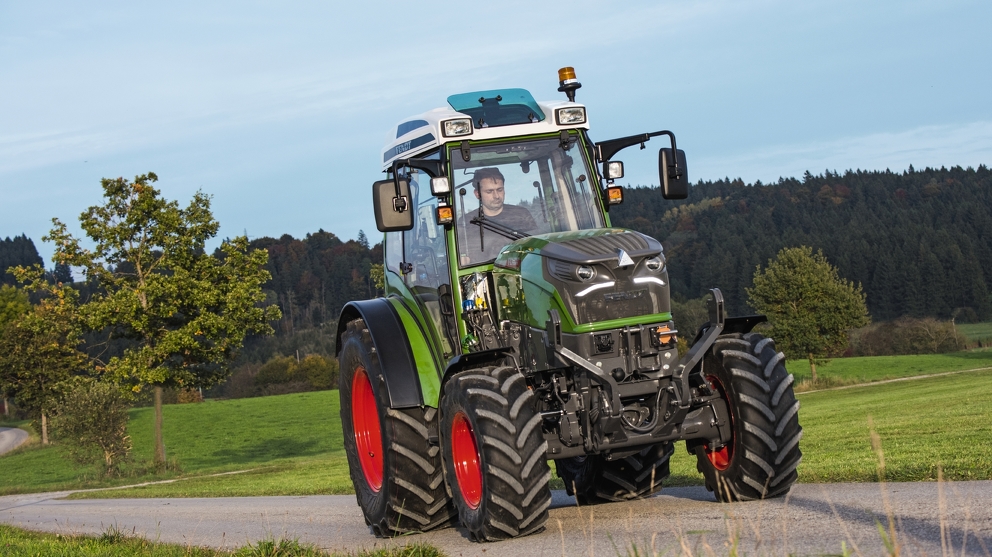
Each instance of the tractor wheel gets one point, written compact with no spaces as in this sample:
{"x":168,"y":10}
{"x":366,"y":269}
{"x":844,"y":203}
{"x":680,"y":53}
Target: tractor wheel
{"x":397,"y":474}
{"x":495,"y":455}
{"x":593,"y":479}
{"x":761,"y":459}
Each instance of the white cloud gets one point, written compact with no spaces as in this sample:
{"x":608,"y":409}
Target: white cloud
{"x":964,"y":145}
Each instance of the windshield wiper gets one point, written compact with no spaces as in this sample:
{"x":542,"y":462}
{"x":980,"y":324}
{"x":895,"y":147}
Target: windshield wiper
{"x":498,"y":228}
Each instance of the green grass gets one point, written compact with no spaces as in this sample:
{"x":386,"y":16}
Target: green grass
{"x":941,"y":422}
{"x":850,"y":371}
{"x":15,"y":542}
{"x":291,"y":444}
{"x":976,"y":331}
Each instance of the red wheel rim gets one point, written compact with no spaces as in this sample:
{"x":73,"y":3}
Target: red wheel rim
{"x":720,"y":458}
{"x":368,"y":434}
{"x":465,"y":453}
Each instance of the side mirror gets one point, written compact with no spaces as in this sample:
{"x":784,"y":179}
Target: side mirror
{"x":393,"y":213}
{"x":674,"y":177}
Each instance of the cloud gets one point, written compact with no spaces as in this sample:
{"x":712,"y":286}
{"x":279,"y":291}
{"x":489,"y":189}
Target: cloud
{"x":968,"y":144}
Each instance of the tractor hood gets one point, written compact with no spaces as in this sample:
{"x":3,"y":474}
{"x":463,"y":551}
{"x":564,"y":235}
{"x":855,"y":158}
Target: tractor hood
{"x":595,"y":276}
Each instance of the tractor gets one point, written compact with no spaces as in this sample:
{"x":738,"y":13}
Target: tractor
{"x":519,"y":327}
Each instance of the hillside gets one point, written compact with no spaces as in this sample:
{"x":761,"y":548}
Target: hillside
{"x":920,"y":242}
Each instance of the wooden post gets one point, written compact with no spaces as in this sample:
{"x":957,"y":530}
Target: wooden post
{"x":159,"y":458}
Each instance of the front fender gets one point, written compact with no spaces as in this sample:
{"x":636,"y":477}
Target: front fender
{"x":408,"y":369}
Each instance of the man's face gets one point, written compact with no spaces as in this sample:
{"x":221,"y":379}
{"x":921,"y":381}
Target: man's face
{"x":491,"y":194}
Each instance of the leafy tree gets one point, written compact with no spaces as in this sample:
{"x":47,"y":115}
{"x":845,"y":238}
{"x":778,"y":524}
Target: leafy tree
{"x":184,"y":312}
{"x":810,"y":308}
{"x":13,"y":304}
{"x":38,"y":350}
{"x":90,"y":421}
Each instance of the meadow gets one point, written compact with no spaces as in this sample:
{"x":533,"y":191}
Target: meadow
{"x":291,"y":444}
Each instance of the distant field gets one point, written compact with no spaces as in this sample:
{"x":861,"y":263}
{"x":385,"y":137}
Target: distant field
{"x":847,"y":371}
{"x":291,"y":444}
{"x":976,"y":331}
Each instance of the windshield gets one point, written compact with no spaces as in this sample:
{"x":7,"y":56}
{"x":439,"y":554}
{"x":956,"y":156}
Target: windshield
{"x":511,"y":190}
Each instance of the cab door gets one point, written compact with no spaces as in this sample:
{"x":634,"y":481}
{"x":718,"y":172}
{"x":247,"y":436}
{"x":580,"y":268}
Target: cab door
{"x":427,"y":276}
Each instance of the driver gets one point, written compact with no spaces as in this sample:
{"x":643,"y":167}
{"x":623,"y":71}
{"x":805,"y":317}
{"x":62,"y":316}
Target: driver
{"x":489,"y":190}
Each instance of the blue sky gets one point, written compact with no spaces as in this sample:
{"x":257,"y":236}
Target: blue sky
{"x":279,"y":110}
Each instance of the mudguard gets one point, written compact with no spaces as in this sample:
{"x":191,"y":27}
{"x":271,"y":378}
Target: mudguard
{"x":408,"y":370}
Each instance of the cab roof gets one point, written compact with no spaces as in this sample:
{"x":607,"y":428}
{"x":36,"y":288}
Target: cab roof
{"x":493,"y":113}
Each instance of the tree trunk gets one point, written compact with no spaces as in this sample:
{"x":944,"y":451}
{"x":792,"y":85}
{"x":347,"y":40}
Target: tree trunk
{"x":159,"y":458}
{"x":812,"y":366}
{"x":44,"y":428}
{"x":6,"y":408}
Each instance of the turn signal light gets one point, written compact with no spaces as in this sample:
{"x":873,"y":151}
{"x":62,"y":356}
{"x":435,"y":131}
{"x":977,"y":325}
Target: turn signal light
{"x":444,"y":214}
{"x":614,"y":195}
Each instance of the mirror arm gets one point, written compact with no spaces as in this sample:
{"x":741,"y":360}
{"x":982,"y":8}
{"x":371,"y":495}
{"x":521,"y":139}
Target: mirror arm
{"x":606,"y":149}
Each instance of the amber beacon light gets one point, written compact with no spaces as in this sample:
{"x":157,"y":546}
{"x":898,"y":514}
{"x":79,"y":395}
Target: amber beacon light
{"x":567,"y":82}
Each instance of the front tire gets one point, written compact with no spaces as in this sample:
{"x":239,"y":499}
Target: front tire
{"x":495,"y":455}
{"x":397,"y":475}
{"x":761,"y":459}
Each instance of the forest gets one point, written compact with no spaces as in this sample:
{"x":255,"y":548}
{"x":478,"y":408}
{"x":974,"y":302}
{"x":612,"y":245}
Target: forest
{"x":919,"y":242}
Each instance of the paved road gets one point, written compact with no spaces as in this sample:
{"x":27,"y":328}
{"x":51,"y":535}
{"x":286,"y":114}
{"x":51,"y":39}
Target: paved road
{"x":11,"y":438}
{"x":814,"y":519}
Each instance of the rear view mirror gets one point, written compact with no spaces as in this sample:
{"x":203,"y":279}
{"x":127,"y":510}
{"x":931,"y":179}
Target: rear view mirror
{"x":393,"y":213}
{"x":673,"y":174}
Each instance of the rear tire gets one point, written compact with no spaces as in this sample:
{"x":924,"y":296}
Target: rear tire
{"x":761,"y":459}
{"x":593,"y":479}
{"x":495,"y":455}
{"x":397,"y":475}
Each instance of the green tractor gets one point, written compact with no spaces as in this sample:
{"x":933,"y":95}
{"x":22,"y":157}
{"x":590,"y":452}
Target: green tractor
{"x":519,"y":327}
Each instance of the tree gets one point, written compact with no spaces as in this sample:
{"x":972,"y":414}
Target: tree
{"x":810,"y":308}
{"x":38,"y":349}
{"x":90,"y":421}
{"x":185,"y":312}
{"x":13,"y":303}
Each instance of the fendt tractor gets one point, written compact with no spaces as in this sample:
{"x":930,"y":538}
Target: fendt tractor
{"x":518,"y":326}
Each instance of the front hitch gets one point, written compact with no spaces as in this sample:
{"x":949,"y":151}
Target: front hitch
{"x":707,"y":336}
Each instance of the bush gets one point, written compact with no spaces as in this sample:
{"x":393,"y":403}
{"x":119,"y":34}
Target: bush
{"x":90,"y":421}
{"x":907,"y":336}
{"x":280,"y":375}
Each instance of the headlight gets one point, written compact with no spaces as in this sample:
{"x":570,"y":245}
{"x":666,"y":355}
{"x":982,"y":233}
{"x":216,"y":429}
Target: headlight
{"x":571,"y":115}
{"x":440,"y":185}
{"x":654,"y":264}
{"x":455,"y":128}
{"x":585,"y":273}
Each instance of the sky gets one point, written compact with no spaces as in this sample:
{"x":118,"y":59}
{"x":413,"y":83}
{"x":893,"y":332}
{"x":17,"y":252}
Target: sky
{"x":279,"y":110}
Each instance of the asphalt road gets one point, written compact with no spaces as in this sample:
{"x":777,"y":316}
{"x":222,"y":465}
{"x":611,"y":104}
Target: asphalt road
{"x":930,"y":518}
{"x":11,"y":438}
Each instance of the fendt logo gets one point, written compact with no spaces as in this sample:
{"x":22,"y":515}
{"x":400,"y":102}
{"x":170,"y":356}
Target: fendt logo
{"x":629,"y":295}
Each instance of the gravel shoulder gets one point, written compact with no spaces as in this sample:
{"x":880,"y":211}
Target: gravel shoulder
{"x":813,"y":519}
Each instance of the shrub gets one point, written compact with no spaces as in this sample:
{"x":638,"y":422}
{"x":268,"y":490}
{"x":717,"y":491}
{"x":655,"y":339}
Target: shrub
{"x":276,"y":371}
{"x":907,"y":335}
{"x":320,"y":372}
{"x":90,"y":421}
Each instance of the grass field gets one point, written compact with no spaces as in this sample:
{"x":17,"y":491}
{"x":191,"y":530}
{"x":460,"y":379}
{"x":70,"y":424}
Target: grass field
{"x":851,"y":371}
{"x":976,"y":332}
{"x":15,"y":542}
{"x":291,"y":444}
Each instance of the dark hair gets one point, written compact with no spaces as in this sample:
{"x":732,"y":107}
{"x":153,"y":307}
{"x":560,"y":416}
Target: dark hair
{"x":491,"y":173}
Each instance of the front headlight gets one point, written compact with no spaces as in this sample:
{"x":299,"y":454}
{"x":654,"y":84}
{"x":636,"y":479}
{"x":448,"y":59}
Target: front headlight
{"x":455,"y":128}
{"x":585,"y":273}
{"x":654,"y":264}
{"x":571,"y":115}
